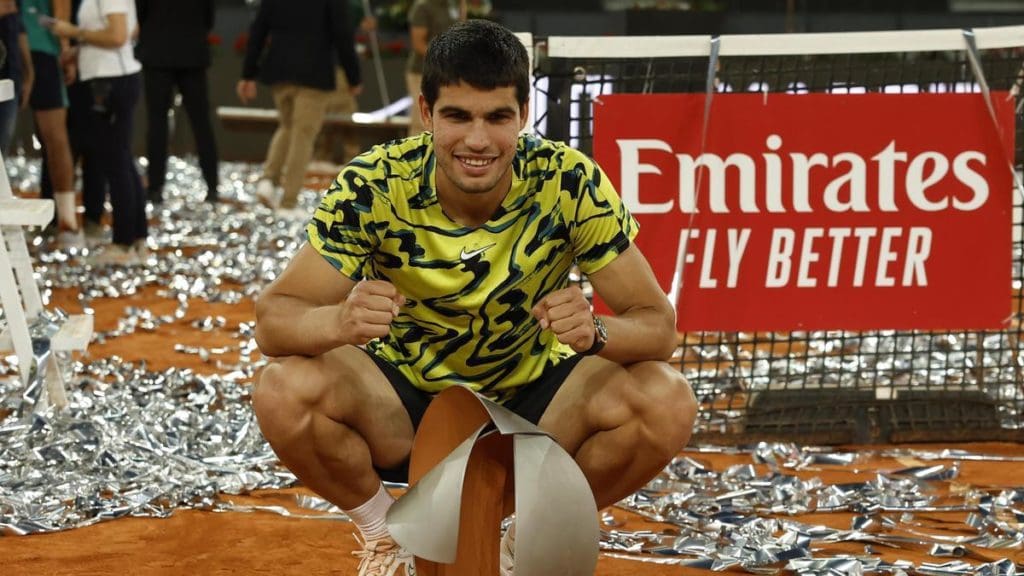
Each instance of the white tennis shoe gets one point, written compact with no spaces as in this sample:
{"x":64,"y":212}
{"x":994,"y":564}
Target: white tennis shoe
{"x":384,"y":557}
{"x":268,"y":194}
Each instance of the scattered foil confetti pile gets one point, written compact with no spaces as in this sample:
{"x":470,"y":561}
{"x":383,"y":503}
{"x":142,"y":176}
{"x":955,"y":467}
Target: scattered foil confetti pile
{"x":138,"y":442}
{"x":739,"y":518}
{"x":134,"y":441}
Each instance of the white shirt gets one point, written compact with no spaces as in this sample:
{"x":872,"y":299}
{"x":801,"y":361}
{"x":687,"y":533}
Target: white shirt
{"x":98,"y":62}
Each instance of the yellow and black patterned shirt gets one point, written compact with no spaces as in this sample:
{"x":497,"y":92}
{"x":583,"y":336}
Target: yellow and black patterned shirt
{"x":469,"y":291}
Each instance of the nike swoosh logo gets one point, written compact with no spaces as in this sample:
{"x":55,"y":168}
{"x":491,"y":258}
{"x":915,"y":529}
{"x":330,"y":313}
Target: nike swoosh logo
{"x":469,"y":255}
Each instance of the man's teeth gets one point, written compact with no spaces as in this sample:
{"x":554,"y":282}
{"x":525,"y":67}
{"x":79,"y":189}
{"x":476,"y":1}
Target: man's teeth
{"x":476,"y":161}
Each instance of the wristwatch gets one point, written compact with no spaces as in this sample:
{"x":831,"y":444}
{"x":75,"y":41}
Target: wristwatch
{"x":600,"y":338}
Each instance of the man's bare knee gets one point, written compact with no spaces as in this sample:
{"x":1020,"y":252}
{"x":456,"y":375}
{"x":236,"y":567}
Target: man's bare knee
{"x":265,"y":390}
{"x":668,"y":408}
{"x":277,"y":405}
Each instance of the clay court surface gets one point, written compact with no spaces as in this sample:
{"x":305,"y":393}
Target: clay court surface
{"x":261,"y":542}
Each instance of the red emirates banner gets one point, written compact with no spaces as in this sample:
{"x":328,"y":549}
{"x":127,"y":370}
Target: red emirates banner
{"x":817,"y":211}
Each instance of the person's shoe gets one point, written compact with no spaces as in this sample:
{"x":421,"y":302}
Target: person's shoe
{"x":155,"y":197}
{"x":384,"y":557}
{"x":506,"y":559}
{"x":324,"y":167}
{"x":94,"y":232}
{"x":293,"y":213}
{"x":141,"y":249}
{"x":115,"y":255}
{"x":71,"y":239}
{"x":268,"y":194}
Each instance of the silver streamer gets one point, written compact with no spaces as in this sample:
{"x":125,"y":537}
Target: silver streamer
{"x":138,"y":442}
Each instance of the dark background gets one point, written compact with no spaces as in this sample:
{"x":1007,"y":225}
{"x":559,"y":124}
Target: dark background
{"x":575,"y":18}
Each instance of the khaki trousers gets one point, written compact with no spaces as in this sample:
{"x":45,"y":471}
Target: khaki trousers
{"x":301,"y":115}
{"x":341,"y":101}
{"x":412,"y":83}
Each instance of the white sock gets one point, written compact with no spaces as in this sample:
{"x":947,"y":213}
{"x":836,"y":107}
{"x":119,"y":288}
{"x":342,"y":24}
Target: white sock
{"x":67,"y":209}
{"x":370,"y":516}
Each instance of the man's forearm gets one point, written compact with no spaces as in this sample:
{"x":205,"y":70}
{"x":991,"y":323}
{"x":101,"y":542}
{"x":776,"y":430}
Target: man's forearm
{"x":288,"y":326}
{"x":641,"y":334}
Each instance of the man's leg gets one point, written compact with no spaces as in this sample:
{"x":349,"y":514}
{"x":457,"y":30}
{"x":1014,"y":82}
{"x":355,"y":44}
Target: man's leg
{"x":51,"y":125}
{"x":412,"y":84}
{"x":345,"y":103}
{"x":158,"y":85}
{"x":284,"y":101}
{"x":622,"y":424}
{"x":323,"y":150}
{"x":331,"y":419}
{"x":49,"y":103}
{"x":114,"y":130}
{"x":307,"y":119}
{"x":195,"y":97}
{"x":94,"y":187}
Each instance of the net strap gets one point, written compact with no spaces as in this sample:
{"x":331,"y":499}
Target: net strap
{"x":709,"y":94}
{"x":979,"y":74}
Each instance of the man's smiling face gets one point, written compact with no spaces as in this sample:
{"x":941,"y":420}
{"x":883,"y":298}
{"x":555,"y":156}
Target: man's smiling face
{"x":475,"y":133}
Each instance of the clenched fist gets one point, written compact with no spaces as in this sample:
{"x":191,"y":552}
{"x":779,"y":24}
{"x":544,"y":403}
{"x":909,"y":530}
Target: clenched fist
{"x":368,"y":311}
{"x":567,"y":314}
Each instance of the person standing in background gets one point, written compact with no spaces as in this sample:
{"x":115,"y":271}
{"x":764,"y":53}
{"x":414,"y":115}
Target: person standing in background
{"x":107,"y":64}
{"x":175,"y":53}
{"x":427,"y":18}
{"x":49,"y":102}
{"x":94,"y":183}
{"x":342,"y":100}
{"x":290,"y":49}
{"x":17,"y":67}
{"x":94,"y":188}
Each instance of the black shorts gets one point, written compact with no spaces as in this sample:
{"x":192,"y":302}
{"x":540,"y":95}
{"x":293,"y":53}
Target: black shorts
{"x":48,"y":91}
{"x":529,"y":402}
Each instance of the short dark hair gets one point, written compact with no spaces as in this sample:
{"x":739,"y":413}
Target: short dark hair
{"x":480,"y":53}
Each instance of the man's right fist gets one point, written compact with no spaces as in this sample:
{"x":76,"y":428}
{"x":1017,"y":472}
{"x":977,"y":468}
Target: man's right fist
{"x":368,"y":311}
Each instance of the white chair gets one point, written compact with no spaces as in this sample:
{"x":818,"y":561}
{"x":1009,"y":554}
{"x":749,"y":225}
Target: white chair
{"x":19,"y":294}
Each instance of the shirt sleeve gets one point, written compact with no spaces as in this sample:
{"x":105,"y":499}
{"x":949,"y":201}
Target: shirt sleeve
{"x":259,"y":30}
{"x":600,"y":225}
{"x":344,"y":227}
{"x":109,"y":7}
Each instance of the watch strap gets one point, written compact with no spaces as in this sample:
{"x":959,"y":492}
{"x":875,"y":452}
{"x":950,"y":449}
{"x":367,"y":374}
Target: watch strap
{"x":600,"y":338}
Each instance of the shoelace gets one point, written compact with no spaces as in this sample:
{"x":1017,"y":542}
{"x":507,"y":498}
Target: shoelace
{"x":376,"y":560}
